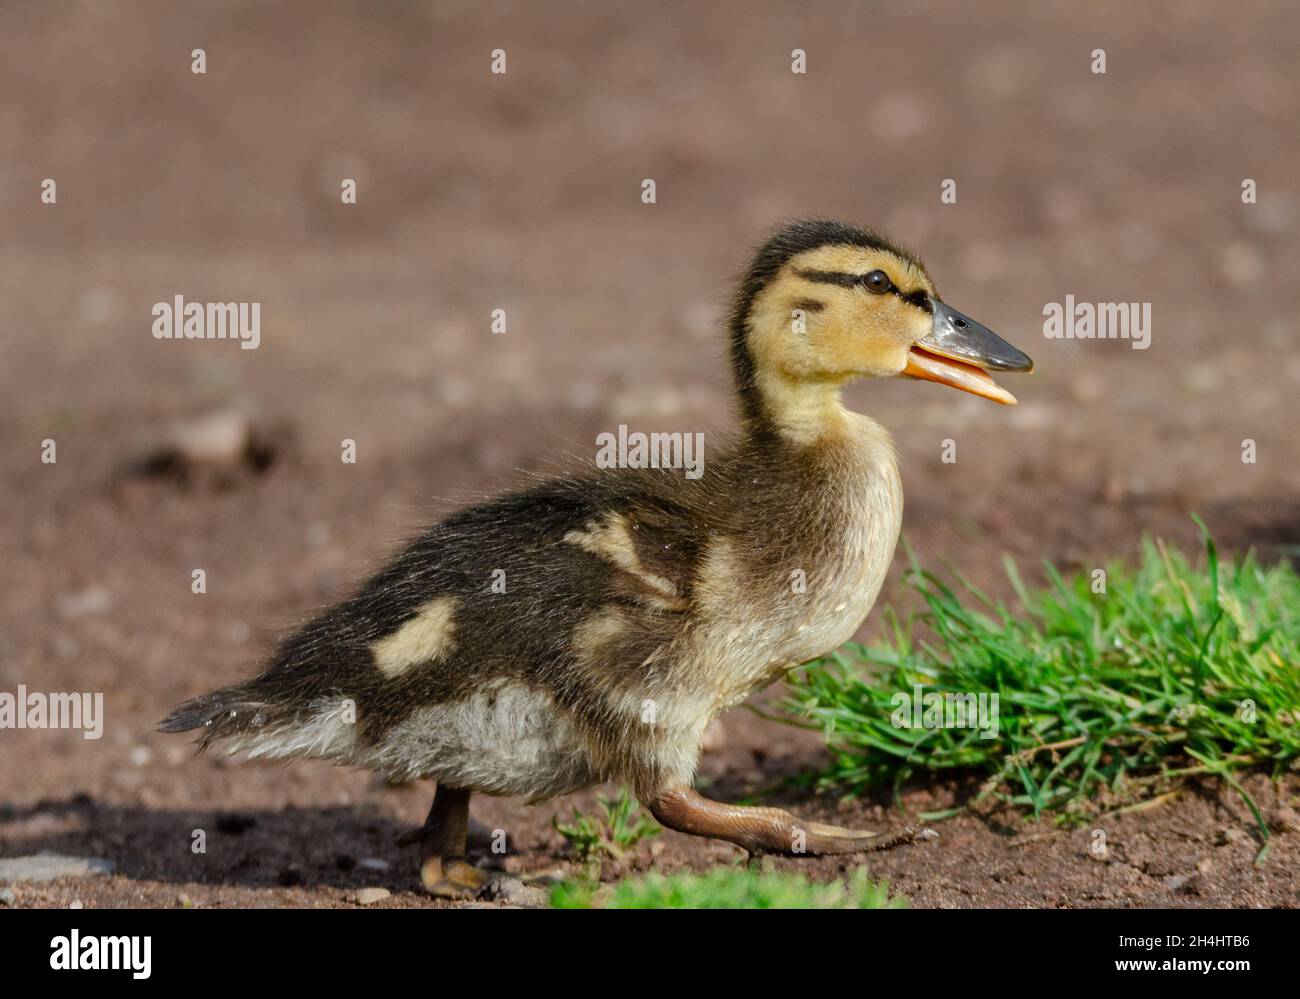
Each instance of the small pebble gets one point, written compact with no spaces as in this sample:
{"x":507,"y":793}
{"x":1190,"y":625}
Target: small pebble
{"x":373,"y":864}
{"x":93,"y":600}
{"x":215,"y":439}
{"x":513,"y":891}
{"x":48,"y":866}
{"x":369,"y":896}
{"x":1229,"y":835}
{"x":7,"y":896}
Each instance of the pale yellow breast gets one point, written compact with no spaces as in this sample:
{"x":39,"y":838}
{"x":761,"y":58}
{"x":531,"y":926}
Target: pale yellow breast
{"x":845,"y":590}
{"x":750,"y":634}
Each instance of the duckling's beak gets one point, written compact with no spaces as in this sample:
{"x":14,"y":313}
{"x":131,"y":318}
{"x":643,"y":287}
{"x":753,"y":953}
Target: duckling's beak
{"x":960,"y":352}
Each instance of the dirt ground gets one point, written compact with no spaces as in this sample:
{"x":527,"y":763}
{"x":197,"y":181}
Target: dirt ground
{"x":522,"y":192}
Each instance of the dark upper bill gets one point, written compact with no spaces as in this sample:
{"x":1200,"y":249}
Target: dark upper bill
{"x":960,"y":352}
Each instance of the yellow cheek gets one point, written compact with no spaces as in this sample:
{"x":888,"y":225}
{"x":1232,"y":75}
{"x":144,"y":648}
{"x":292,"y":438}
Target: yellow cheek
{"x":869,"y":339}
{"x":918,"y":324}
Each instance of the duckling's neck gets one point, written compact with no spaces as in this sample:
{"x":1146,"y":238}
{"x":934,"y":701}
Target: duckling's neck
{"x":799,"y":413}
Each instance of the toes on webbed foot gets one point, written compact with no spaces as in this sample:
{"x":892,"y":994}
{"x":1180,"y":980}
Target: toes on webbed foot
{"x":839,"y":832}
{"x":827,"y":839}
{"x":452,"y":877}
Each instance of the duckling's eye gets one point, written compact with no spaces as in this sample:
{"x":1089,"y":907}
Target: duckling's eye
{"x":877,"y":282}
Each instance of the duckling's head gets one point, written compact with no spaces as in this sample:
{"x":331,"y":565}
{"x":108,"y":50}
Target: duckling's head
{"x":824,"y":302}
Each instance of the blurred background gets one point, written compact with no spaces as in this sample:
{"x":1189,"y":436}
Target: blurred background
{"x":522,"y":192}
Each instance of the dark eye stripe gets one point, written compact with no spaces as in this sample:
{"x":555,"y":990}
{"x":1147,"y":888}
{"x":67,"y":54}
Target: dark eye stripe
{"x":918,"y":297}
{"x":833,"y":277}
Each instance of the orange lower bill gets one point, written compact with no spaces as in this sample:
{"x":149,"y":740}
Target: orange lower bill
{"x":958,"y":374}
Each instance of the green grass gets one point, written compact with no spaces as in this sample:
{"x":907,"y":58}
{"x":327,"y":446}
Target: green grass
{"x":730,"y":888}
{"x":618,"y":828}
{"x":1179,"y":668}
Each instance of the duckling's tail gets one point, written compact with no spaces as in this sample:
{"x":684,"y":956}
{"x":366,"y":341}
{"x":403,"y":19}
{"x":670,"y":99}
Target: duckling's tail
{"x":249,"y":718}
{"x":221,"y":714}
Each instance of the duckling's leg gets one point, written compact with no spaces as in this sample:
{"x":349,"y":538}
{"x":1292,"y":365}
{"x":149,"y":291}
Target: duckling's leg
{"x":767,"y":830}
{"x":444,"y":871}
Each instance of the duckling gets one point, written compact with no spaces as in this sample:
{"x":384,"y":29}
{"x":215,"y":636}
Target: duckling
{"x":589,"y":627}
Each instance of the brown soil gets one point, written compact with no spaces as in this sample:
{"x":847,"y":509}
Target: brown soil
{"x":522,"y":192}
